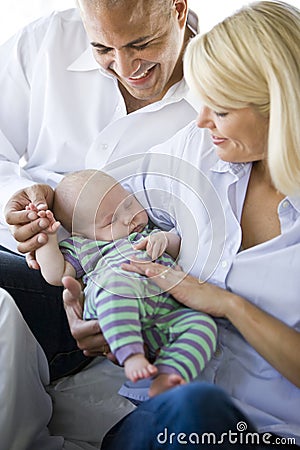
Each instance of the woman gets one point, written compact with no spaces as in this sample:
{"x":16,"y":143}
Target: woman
{"x":247,"y":73}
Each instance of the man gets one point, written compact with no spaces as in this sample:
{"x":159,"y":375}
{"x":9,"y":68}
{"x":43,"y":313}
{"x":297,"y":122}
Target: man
{"x":63,"y":110}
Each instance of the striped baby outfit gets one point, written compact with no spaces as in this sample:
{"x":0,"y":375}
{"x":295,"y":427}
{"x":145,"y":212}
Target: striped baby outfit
{"x":132,"y":310}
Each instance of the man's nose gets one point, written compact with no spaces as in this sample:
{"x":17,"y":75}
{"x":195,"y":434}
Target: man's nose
{"x":126,"y":63}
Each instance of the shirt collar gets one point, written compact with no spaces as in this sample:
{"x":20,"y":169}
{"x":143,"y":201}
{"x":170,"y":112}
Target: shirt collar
{"x":295,"y":202}
{"x":84,"y":62}
{"x":192,"y":22}
{"x":237,"y":169}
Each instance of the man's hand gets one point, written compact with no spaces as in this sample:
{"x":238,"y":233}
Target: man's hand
{"x":25,"y":225}
{"x":87,"y":333}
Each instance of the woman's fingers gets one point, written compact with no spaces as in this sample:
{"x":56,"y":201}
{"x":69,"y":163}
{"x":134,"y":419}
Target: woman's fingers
{"x":165,"y":277}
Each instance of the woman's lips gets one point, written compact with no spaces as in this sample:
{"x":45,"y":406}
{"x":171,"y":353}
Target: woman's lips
{"x":218,"y":140}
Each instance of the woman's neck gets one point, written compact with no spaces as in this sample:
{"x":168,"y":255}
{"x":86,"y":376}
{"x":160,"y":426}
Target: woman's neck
{"x":262,"y":173}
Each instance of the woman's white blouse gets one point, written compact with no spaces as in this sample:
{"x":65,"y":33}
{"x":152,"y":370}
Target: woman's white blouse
{"x":206,"y":198}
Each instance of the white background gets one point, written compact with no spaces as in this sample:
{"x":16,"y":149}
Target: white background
{"x":16,"y":13}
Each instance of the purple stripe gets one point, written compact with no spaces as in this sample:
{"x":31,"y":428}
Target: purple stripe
{"x":156,"y":337}
{"x":183,"y":364}
{"x":204,"y":335}
{"x":197,"y":347}
{"x":118,"y":323}
{"x":163,"y":368}
{"x":198,"y":320}
{"x":117,"y":309}
{"x":124,"y":352}
{"x":159,"y":303}
{"x":125,"y":335}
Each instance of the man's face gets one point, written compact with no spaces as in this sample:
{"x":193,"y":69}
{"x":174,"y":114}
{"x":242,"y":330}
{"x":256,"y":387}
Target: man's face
{"x":138,"y":43}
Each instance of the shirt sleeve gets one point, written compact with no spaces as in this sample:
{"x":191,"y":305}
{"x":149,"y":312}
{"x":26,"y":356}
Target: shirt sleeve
{"x":70,"y":253}
{"x":15,"y":58}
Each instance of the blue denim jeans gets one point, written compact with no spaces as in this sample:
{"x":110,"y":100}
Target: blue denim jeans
{"x":195,"y":415}
{"x":42,"y":308}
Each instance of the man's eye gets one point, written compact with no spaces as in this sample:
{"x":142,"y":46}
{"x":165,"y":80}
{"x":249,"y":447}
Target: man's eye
{"x":141,"y":47}
{"x":103,"y":51}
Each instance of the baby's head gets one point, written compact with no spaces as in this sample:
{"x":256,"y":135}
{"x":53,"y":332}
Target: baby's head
{"x":93,"y":204}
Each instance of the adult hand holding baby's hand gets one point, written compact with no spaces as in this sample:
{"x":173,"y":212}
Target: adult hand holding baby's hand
{"x":47,"y":214}
{"x":25,"y":225}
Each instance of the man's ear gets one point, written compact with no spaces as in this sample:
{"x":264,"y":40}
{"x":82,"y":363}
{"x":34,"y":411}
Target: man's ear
{"x":182,"y":11}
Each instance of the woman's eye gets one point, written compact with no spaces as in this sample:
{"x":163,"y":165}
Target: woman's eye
{"x":221,"y":114}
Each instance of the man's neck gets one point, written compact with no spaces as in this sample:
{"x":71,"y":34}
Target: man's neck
{"x":132,"y":103}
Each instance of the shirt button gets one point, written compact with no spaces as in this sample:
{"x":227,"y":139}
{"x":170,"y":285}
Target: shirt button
{"x":286,"y":204}
{"x":118,"y":108}
{"x":224,"y":264}
{"x":104,"y":146}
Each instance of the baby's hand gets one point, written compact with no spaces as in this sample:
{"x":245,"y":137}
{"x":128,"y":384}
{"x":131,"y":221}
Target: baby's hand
{"x":32,"y":207}
{"x":53,"y":225}
{"x":155,"y":244}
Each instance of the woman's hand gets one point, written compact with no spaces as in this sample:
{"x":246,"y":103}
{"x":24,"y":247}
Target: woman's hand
{"x":274,"y":340}
{"x":25,"y":225}
{"x":87,"y":333}
{"x":186,"y":289}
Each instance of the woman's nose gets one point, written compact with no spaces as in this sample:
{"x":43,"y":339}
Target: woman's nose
{"x":205,"y":119}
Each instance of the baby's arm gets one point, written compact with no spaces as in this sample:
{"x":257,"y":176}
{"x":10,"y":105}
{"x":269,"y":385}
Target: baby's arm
{"x":49,"y":257}
{"x":159,"y":242}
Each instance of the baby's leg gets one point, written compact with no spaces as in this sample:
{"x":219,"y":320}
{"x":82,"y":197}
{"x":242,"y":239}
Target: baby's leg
{"x":137,"y":367}
{"x":190,"y":341}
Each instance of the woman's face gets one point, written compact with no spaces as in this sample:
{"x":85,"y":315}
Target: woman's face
{"x":240,"y":135}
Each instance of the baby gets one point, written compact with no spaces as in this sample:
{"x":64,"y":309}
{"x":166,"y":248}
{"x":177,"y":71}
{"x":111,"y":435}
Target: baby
{"x":108,"y":227}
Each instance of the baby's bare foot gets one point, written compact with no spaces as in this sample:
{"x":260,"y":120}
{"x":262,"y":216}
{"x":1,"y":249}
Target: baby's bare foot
{"x":138,"y":367}
{"x":163,"y":382}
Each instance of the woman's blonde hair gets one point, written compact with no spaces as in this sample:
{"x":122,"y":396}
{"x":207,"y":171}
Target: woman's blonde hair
{"x":252,"y":58}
